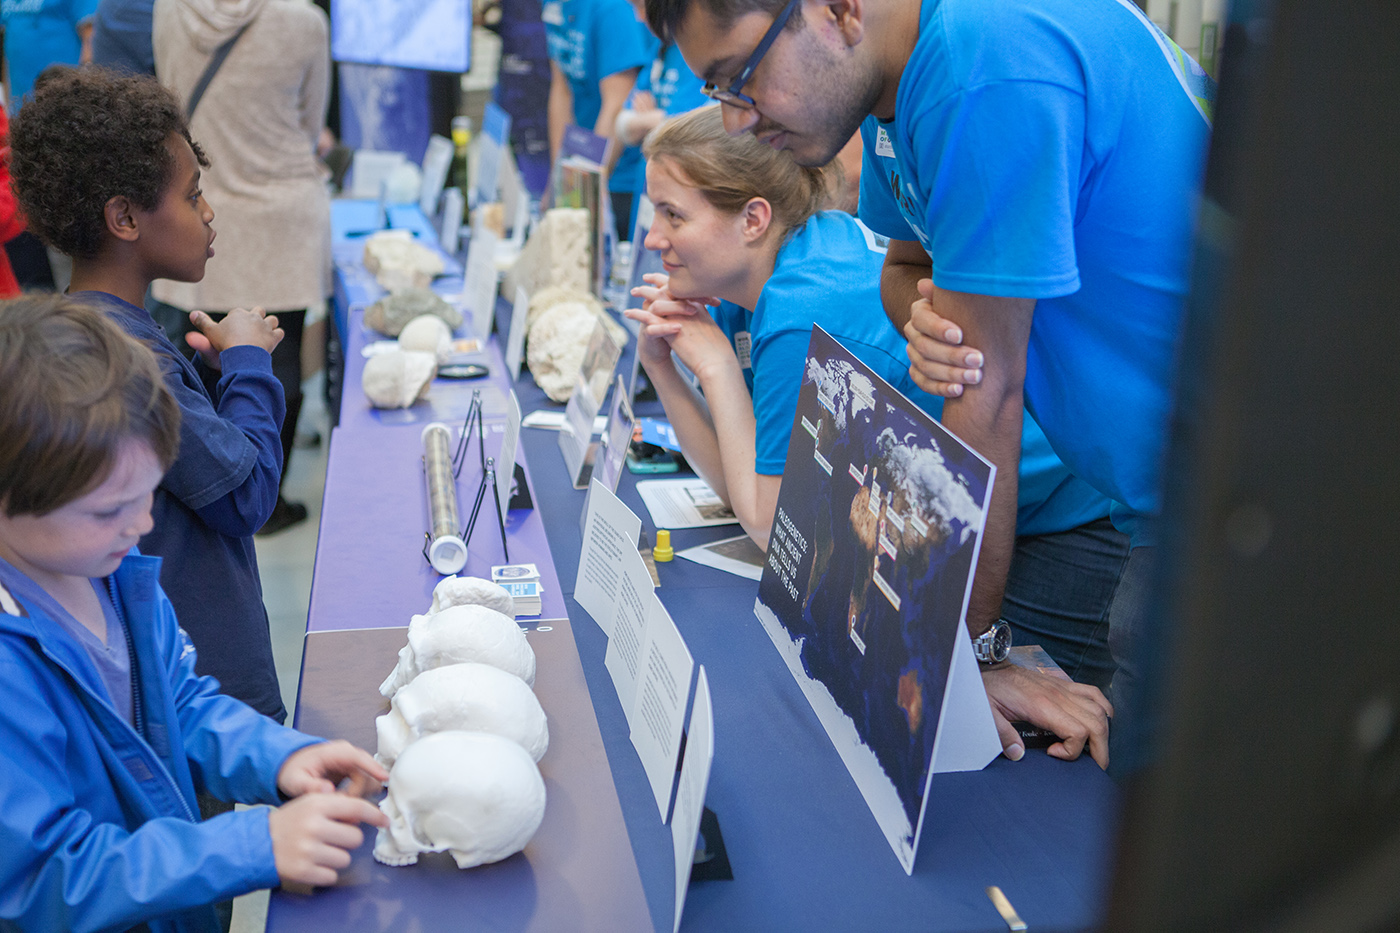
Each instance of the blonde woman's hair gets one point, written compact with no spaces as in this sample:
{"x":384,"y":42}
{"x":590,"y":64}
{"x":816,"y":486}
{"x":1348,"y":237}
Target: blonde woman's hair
{"x":732,"y":170}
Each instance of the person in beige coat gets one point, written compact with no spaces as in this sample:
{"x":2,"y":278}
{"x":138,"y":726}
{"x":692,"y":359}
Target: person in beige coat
{"x":258,"y":121}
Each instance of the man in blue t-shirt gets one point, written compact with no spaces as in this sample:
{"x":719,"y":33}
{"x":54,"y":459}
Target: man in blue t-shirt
{"x":596,"y":49}
{"x":1046,"y":157}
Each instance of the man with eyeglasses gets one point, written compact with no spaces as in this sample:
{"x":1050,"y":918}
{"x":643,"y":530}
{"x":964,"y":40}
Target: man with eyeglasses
{"x":1036,"y":165}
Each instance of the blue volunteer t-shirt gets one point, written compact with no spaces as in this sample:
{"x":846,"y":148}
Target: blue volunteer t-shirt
{"x":670,"y":80}
{"x":828,"y":273}
{"x":1053,"y":149}
{"x":630,"y":172}
{"x":590,"y":40}
{"x":40,"y":33}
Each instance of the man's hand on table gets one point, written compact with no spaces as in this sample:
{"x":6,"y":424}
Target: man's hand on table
{"x":1077,"y":713}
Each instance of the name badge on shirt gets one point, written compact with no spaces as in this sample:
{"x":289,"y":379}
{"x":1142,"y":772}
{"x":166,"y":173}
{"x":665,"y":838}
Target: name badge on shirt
{"x":743,"y":346}
{"x":883,"y":146}
{"x":553,"y":14}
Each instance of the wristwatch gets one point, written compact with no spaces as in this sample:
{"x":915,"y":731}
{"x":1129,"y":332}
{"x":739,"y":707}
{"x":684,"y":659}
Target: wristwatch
{"x":993,"y":645}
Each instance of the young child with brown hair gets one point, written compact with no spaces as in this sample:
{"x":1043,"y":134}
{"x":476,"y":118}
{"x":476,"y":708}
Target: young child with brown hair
{"x":107,"y":732}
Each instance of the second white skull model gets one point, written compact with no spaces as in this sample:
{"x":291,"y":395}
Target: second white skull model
{"x":468,"y":697}
{"x":459,"y":634}
{"x":471,"y":591}
{"x":476,"y":795}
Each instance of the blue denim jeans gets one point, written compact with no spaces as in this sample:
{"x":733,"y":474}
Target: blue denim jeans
{"x":1058,"y":595}
{"x":1137,"y":643}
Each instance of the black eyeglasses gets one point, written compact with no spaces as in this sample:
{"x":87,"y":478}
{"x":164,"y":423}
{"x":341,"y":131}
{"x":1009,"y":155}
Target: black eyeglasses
{"x":731,"y":96}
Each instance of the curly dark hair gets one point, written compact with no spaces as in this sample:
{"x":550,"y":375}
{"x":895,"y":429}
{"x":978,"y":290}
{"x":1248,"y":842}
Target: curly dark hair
{"x":86,"y":136}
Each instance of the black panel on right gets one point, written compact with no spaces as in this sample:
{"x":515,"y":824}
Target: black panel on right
{"x":1274,"y":802}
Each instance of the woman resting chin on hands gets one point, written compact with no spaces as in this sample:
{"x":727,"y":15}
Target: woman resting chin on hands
{"x":752,"y":262}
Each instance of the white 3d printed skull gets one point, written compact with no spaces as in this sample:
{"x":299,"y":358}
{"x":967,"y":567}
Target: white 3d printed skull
{"x":427,"y":333}
{"x":459,"y":634}
{"x":398,"y":378}
{"x":471,"y":591}
{"x":469,"y":697}
{"x":474,"y":794}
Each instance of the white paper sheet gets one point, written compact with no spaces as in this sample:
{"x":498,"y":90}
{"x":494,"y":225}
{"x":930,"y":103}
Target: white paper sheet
{"x":657,"y":714}
{"x":736,"y":555}
{"x":683,"y":503}
{"x":690,"y":791}
{"x":610,"y":532}
{"x":627,"y":638}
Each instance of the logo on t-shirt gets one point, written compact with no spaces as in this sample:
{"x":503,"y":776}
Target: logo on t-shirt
{"x":883,"y":146}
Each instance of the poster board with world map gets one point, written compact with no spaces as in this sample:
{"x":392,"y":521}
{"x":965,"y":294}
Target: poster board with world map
{"x":866,"y":584}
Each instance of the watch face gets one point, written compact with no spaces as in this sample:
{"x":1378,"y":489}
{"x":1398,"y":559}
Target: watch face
{"x":1001,"y":642}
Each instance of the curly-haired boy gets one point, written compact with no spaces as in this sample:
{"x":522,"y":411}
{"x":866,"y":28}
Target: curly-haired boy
{"x":106,"y":731}
{"x":105,"y":169}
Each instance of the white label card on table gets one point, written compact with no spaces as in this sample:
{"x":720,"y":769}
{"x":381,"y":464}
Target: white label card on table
{"x":505,"y":462}
{"x":657,"y":714}
{"x":495,"y":130}
{"x":450,"y":228}
{"x":370,"y":169}
{"x":690,"y":792}
{"x":437,"y":161}
{"x":628,"y":636}
{"x":609,"y":534}
{"x":479,"y":288}
{"x":515,"y":340}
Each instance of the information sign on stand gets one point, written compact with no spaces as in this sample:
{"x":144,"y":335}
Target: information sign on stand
{"x":450,"y":227}
{"x":437,"y":161}
{"x":691,"y":787}
{"x":648,"y":659}
{"x":611,"y":528}
{"x":505,"y":461}
{"x":515,"y":339}
{"x":491,"y":147}
{"x":865,"y":591}
{"x":479,"y":287}
{"x":608,"y":456}
{"x":590,"y":388}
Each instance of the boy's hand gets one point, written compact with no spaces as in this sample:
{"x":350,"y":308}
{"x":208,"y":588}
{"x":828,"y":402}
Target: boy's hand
{"x":239,"y":328}
{"x":321,"y":767}
{"x":312,"y":836}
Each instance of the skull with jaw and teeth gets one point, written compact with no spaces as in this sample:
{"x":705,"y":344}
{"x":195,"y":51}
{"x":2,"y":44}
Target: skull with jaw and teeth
{"x":469,"y":697}
{"x":459,"y":634}
{"x":478,"y":796}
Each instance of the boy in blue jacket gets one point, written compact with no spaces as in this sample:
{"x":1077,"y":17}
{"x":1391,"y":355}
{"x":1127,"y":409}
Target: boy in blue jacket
{"x":107,"y":732}
{"x":105,"y":169}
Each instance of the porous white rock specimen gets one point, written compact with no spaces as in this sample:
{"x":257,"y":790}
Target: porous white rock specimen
{"x":397,"y":262}
{"x":459,"y":634}
{"x":557,"y":253}
{"x":476,"y":795}
{"x":471,"y":591}
{"x":398,"y":378}
{"x":557,"y":345}
{"x":468,"y":697}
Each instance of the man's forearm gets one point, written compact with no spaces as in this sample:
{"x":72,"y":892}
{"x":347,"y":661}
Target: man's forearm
{"x":995,"y":433}
{"x":905,"y":264}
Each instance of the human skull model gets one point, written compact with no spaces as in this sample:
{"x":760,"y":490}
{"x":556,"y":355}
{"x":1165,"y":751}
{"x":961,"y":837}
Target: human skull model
{"x":427,"y":333}
{"x":469,"y":697}
{"x":477,"y":795}
{"x":471,"y":591}
{"x":457,"y":635}
{"x":398,"y":378}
